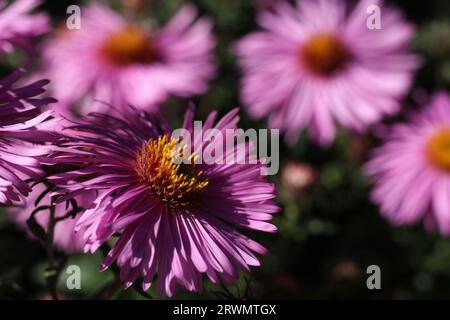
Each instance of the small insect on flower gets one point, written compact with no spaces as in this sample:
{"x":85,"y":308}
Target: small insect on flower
{"x":411,"y":170}
{"x":119,"y":62}
{"x":316,"y":65}
{"x":174,"y":220}
{"x":22,"y":123}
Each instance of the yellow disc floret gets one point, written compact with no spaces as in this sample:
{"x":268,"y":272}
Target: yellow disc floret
{"x":128,"y":46}
{"x":176,"y":185}
{"x":438,"y":149}
{"x":324,"y":54}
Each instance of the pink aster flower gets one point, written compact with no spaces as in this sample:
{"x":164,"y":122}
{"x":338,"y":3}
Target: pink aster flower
{"x":412,"y":169}
{"x":19,"y":26}
{"x":118,"y":62}
{"x":174,"y":220}
{"x":65,"y":237}
{"x":317,"y":64}
{"x":21,"y":123}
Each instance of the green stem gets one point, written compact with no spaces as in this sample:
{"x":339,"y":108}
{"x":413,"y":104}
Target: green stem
{"x":51,"y":273}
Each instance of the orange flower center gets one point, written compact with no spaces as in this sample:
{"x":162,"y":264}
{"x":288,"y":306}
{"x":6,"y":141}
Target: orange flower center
{"x":438,"y":149}
{"x":324,"y":54}
{"x":129,"y":46}
{"x":176,"y":185}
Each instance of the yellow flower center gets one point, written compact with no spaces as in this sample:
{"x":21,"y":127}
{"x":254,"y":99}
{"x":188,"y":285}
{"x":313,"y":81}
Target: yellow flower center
{"x":129,"y":46}
{"x":176,"y":185}
{"x":438,"y":149}
{"x":324,"y":54}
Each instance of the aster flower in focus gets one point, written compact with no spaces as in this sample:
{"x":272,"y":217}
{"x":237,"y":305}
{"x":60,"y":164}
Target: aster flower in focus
{"x":119,"y":63}
{"x":65,"y":238}
{"x":411,"y":170}
{"x":175,"y":220}
{"x":315,"y":65}
{"x":19,"y":26}
{"x":22,"y":123}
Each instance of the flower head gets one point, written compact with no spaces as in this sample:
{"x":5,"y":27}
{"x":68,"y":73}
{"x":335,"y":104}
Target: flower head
{"x":412,"y":169}
{"x":315,"y":65}
{"x":22,"y":123}
{"x":175,"y":219}
{"x":118,"y":62}
{"x":19,"y":26}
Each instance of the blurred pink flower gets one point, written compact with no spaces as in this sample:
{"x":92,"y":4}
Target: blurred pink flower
{"x":297,"y":177}
{"x":18,"y":25}
{"x":314,"y":65}
{"x":117,"y":62}
{"x":65,"y":237}
{"x":411,"y":170}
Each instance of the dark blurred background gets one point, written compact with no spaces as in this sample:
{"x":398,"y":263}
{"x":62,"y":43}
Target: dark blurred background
{"x":329,"y":230}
